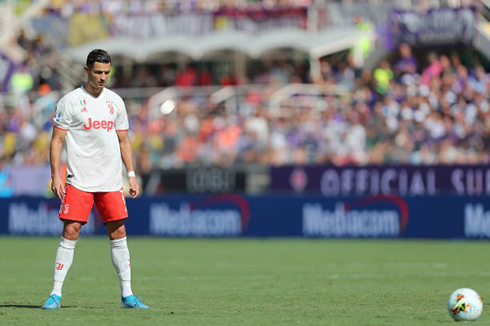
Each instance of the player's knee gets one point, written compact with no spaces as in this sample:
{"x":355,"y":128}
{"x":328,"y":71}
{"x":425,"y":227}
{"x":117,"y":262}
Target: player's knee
{"x":71,"y":231}
{"x":116,"y":230}
{"x":118,"y":234}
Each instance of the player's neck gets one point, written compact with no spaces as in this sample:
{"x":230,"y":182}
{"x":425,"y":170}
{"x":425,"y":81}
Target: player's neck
{"x":95,"y":92}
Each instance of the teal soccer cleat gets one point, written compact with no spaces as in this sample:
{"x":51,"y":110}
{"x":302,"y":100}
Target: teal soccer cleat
{"x":53,"y":302}
{"x":133,"y":301}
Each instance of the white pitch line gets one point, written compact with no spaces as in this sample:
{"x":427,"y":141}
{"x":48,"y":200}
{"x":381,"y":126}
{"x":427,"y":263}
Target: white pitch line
{"x":399,"y":265}
{"x":417,"y":265}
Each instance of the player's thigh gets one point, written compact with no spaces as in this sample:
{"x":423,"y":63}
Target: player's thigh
{"x":111,"y":205}
{"x":76,"y":205}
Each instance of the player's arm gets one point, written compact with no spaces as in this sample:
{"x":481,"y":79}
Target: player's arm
{"x":55,"y":148}
{"x":127,"y":157}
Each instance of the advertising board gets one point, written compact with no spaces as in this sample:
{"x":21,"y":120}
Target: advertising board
{"x":232,"y":215}
{"x":403,"y":180}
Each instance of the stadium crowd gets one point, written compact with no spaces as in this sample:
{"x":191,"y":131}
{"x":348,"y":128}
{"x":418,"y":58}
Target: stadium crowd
{"x":426,"y":111}
{"x":65,"y":7}
{"x":401,"y":112}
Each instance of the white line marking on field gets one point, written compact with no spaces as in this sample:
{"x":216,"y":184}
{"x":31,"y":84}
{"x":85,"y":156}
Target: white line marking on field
{"x":391,"y":265}
{"x":352,"y":276}
{"x":417,"y":265}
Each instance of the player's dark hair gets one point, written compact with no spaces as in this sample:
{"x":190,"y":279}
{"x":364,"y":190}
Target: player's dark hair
{"x":97,"y":55}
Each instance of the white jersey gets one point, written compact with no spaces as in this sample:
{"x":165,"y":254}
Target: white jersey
{"x":94,"y":161}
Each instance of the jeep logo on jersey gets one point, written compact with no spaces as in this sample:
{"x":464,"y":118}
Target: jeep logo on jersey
{"x":96,"y":124}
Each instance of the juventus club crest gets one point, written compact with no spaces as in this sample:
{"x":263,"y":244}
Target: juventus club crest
{"x":110,"y":105}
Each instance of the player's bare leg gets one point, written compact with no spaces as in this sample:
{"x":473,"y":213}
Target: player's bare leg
{"x":63,"y":261}
{"x":122,"y":263}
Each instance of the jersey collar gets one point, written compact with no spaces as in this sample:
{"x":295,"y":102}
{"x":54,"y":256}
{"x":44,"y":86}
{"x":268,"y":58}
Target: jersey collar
{"x":89,"y":94}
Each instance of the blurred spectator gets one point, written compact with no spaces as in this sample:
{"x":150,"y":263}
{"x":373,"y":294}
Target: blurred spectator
{"x":186,"y":77}
{"x":433,"y":69}
{"x":383,"y":76}
{"x":21,"y":81}
{"x":407,"y":62}
{"x":365,"y":42}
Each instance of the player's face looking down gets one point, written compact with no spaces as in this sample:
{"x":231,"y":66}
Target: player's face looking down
{"x":98,"y":75}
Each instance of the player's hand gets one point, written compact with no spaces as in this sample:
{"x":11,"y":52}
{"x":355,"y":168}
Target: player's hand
{"x":57,"y":187}
{"x":134,"y":188}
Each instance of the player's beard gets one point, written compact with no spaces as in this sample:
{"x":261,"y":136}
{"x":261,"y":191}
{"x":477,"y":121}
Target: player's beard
{"x":100,"y":85}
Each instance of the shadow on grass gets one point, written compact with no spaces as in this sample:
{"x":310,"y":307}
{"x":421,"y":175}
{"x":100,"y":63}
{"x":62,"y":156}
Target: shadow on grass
{"x":28,"y":306}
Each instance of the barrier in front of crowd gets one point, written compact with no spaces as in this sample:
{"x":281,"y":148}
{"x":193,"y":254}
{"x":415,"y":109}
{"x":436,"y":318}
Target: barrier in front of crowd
{"x":328,"y":180}
{"x":233,"y":215}
{"x":402,"y":179}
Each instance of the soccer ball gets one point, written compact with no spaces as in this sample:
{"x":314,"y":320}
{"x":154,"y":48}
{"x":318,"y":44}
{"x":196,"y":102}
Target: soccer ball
{"x":464,"y":304}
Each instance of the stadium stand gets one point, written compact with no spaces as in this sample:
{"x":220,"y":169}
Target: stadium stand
{"x":307,"y":93}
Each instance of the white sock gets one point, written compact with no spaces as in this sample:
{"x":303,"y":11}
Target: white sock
{"x":64,"y":258}
{"x":122,"y":264}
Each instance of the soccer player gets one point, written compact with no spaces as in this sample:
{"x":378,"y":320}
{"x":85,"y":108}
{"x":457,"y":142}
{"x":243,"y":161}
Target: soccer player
{"x":94,"y":122}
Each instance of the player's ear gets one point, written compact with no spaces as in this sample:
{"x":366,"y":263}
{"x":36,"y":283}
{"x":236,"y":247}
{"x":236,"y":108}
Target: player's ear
{"x":86,"y":68}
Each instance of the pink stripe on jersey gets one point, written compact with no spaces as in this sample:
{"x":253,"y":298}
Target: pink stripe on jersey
{"x":122,"y":129}
{"x":60,"y":128}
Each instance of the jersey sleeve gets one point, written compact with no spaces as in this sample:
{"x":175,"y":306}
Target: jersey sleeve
{"x":63,"y":117}
{"x":122,"y":116}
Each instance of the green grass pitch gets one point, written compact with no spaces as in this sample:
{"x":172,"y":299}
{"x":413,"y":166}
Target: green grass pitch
{"x":246,"y":281}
